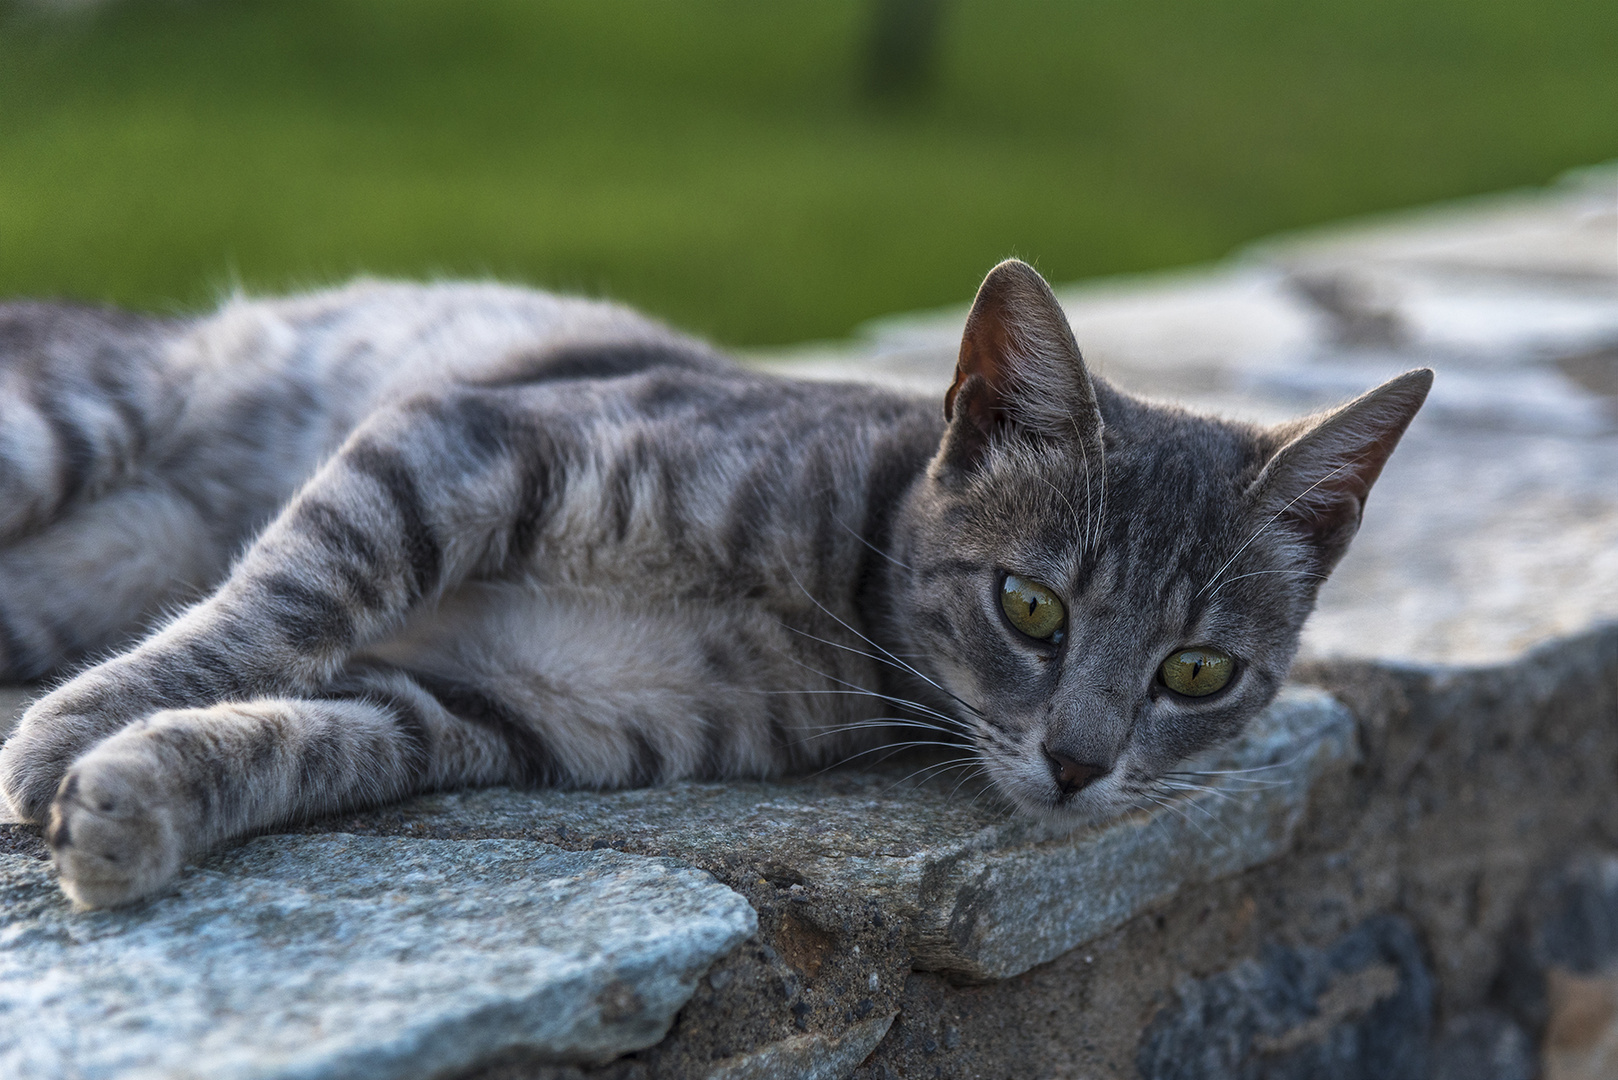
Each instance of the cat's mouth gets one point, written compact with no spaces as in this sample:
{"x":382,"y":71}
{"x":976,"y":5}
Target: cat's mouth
{"x":1040,"y":789}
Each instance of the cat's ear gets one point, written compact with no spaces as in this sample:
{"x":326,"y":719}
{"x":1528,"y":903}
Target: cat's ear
{"x":1019,"y":371}
{"x":1316,"y":483}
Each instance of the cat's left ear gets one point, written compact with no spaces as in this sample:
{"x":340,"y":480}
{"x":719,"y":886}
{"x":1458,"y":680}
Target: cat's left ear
{"x":1317,"y":482}
{"x":1019,"y":372}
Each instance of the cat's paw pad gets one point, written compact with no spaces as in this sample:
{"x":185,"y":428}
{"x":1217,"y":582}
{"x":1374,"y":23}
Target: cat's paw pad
{"x":112,"y":836}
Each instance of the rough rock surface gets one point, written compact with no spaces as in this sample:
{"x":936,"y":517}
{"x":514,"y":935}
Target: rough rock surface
{"x":1362,"y":1009}
{"x":1562,"y":968}
{"x":357,"y":957}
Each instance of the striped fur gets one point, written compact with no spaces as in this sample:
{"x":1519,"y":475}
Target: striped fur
{"x":417,"y":537}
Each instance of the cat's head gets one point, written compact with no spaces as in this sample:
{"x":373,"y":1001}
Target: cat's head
{"x":1106,"y":585}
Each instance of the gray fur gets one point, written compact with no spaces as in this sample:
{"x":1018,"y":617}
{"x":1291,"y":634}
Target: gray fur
{"x":436,"y":536}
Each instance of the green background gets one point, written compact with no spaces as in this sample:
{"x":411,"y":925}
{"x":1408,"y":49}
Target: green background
{"x":720,"y":162}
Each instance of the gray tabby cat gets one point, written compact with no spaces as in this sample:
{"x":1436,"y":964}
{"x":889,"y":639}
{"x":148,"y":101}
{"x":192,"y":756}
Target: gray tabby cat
{"x":453,"y":535}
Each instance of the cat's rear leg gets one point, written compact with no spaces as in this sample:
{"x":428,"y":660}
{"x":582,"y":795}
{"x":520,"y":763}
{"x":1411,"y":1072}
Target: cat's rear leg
{"x":84,"y":392}
{"x":95,"y":577}
{"x":173,"y":785}
{"x":91,"y":545}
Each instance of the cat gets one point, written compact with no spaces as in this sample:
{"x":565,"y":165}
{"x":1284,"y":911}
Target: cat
{"x":341,"y":548}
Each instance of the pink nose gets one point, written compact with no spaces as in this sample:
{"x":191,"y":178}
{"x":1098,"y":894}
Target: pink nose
{"x":1072,"y":776}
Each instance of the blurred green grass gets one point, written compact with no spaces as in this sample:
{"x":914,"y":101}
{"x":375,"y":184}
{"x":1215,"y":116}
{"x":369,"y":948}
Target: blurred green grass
{"x":716,"y":162}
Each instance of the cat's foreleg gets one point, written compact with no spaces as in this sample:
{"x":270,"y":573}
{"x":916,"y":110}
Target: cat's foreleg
{"x":419,"y":498}
{"x":168,"y":787}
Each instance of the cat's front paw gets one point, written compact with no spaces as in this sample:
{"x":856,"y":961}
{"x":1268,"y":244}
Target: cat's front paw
{"x":52,"y":735}
{"x":32,"y":763}
{"x":113,"y":832}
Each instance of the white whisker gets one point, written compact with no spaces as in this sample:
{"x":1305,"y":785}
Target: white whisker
{"x":830,"y":730}
{"x":1260,"y":573}
{"x":899,"y":663}
{"x":953,"y":763}
{"x":1260,"y":531}
{"x":899,"y":746}
{"x":859,"y":691}
{"x":1251,"y":783}
{"x":958,"y":726}
{"x":981,"y":769}
{"x":1195,"y":789}
{"x":1238,"y":772}
{"x":868,"y":544}
{"x":1169,"y":804}
{"x":1193,"y":804}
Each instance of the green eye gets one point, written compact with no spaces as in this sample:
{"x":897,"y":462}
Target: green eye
{"x":1033,"y":609}
{"x":1198,"y":672}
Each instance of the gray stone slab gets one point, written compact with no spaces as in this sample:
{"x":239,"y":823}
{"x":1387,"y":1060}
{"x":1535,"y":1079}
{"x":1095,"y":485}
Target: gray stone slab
{"x":357,"y":957}
{"x":984,"y":893}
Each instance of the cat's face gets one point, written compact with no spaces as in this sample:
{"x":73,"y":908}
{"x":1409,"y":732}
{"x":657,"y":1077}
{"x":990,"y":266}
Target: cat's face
{"x":1108,"y":586}
{"x":1055,"y":615}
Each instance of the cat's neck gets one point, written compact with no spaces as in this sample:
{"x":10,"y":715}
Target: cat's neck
{"x":884,"y":578}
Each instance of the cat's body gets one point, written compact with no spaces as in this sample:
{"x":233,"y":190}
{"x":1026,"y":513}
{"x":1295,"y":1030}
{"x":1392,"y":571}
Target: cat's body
{"x":504,"y":537}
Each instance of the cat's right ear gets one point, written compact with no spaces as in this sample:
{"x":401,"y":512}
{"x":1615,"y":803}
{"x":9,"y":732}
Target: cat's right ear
{"x":1315,"y":485}
{"x":1019,"y":372}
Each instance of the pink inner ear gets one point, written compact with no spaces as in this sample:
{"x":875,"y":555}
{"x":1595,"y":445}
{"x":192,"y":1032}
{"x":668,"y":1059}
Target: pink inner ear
{"x":1019,"y":367}
{"x":985,"y":351}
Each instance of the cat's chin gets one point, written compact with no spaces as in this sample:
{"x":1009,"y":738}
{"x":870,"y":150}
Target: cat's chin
{"x":1072,"y":814}
{"x":1083,"y":809}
